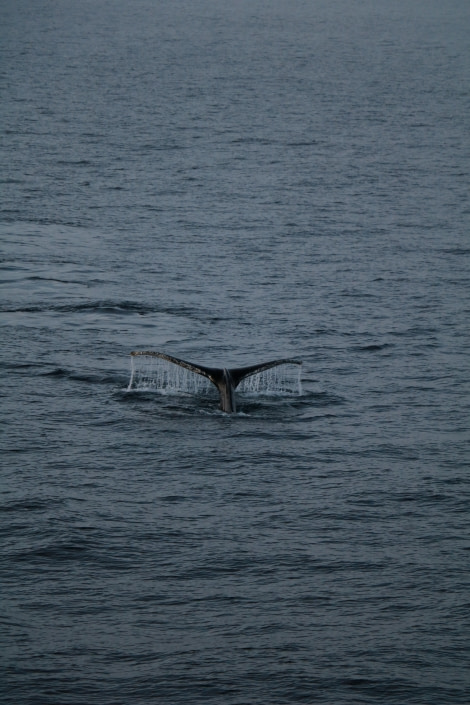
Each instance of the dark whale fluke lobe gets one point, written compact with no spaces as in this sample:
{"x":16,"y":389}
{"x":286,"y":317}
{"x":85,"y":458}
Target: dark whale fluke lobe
{"x":225,"y":379}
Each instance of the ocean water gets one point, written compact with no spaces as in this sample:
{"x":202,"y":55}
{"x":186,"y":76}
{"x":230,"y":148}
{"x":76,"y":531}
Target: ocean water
{"x":232,"y":182}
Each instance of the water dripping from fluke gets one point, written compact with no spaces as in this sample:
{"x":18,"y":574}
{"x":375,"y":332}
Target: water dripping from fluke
{"x":155,"y":371}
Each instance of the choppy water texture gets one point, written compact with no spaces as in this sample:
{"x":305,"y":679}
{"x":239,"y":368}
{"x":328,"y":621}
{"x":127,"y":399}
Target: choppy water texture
{"x":232,"y":182}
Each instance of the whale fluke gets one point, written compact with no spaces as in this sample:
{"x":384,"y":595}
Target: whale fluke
{"x":225,"y":379}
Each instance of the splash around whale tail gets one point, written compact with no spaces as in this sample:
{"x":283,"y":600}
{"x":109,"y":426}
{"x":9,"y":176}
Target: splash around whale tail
{"x":225,"y":379}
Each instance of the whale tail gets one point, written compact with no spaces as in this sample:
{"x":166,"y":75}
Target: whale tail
{"x":225,"y":379}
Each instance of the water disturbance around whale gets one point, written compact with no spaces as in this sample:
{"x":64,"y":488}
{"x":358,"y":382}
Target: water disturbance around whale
{"x":145,"y":375}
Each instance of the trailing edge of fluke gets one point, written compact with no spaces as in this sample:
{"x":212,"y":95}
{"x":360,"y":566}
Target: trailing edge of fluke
{"x":225,"y":379}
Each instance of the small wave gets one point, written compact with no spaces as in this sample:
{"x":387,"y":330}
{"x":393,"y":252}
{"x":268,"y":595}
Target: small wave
{"x":309,"y":143}
{"x":253,"y":140}
{"x":373,"y":347}
{"x":86,"y":377}
{"x":30,"y":504}
{"x":52,"y":371}
{"x":17,"y":217}
{"x":458,"y":251}
{"x":117,"y":307}
{"x":53,"y":279}
{"x":58,"y":372}
{"x":105,"y":306}
{"x":19,"y":365}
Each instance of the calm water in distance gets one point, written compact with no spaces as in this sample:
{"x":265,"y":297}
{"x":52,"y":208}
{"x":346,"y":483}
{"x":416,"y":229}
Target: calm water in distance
{"x":232,"y":182}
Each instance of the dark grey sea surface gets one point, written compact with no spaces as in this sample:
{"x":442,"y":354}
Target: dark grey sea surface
{"x":231,"y":182}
